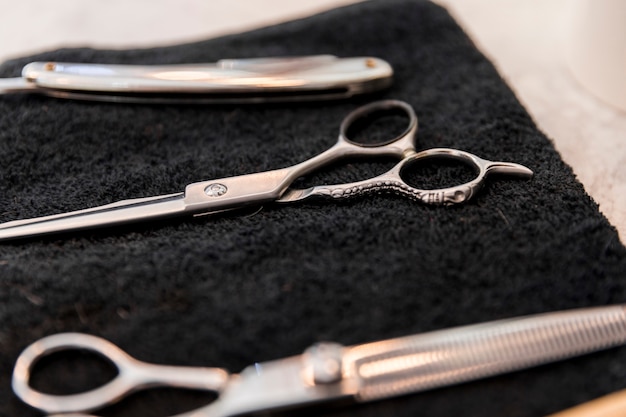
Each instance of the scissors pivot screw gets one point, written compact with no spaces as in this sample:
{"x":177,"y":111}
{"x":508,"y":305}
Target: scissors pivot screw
{"x":324,"y":362}
{"x":215,"y":190}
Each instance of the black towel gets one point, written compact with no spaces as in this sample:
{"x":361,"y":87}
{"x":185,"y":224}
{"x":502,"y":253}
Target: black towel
{"x":233,"y":290}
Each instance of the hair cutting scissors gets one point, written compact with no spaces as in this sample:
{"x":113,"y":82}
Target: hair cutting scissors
{"x":329,"y":372}
{"x":274,"y":186}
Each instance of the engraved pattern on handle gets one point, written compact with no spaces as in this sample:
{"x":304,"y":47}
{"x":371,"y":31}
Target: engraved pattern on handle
{"x":431,"y":360}
{"x":441,"y":197}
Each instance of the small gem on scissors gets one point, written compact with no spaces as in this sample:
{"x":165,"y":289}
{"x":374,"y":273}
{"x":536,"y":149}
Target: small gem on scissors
{"x":215,"y":190}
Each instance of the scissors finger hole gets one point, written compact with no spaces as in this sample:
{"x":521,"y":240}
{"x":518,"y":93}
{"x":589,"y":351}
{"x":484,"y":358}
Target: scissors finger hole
{"x":437,"y":172}
{"x":70,"y":372}
{"x":378,"y":126}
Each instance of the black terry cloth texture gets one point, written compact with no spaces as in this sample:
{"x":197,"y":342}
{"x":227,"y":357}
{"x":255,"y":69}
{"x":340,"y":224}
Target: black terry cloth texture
{"x":232,"y":290}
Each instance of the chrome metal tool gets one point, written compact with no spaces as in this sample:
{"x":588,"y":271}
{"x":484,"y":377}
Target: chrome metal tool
{"x":254,"y":80}
{"x":329,"y":372}
{"x":219,"y":195}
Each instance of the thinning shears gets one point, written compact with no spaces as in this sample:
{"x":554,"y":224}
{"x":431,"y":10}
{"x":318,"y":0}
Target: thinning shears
{"x":224,"y":194}
{"x":331,"y":373}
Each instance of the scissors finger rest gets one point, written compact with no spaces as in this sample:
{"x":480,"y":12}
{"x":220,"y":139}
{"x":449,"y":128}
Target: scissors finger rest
{"x":218,"y":195}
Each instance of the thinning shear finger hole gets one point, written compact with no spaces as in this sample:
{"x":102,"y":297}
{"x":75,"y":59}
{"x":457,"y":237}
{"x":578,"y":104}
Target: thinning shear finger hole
{"x":436,"y":172}
{"x":71,"y":372}
{"x":378,"y":127}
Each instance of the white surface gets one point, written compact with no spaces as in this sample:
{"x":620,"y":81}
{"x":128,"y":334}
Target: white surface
{"x":596,"y":48}
{"x":526,"y":41}
{"x":524,"y":38}
{"x":29,"y":26}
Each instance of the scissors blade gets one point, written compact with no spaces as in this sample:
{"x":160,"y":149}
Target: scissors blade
{"x":205,"y":197}
{"x":117,"y":213}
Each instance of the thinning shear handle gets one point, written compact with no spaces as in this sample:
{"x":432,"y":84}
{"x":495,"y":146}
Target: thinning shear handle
{"x":132,"y":375}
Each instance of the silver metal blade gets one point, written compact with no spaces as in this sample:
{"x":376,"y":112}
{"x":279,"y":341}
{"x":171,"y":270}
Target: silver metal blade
{"x":121,"y":212}
{"x":16,"y":85}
